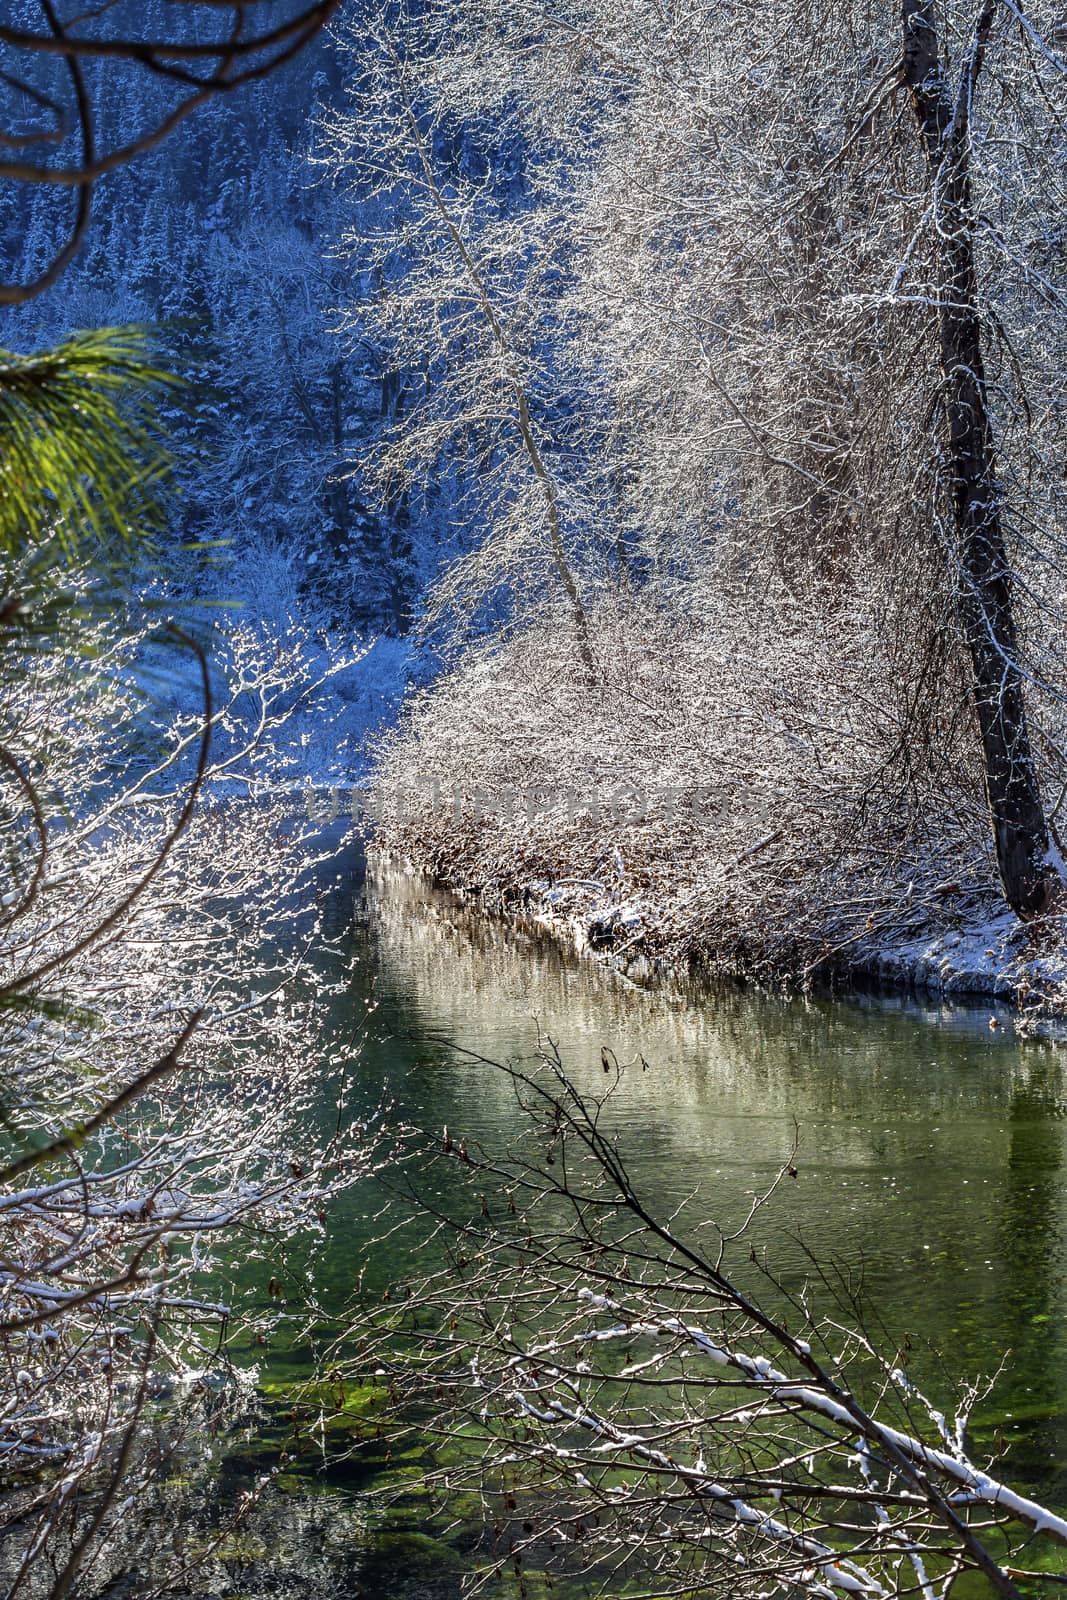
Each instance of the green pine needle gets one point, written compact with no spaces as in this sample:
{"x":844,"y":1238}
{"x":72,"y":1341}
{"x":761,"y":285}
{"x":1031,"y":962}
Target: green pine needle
{"x":81,"y":457}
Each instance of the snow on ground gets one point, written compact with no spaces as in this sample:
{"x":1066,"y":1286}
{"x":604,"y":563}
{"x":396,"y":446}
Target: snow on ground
{"x":983,"y":959}
{"x":273,"y":655}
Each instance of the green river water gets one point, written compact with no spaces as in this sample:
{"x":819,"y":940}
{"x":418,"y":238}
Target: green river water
{"x":931,"y":1163}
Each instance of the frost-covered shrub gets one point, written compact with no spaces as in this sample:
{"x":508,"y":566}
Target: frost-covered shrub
{"x":162,"y":993}
{"x":735,"y":789}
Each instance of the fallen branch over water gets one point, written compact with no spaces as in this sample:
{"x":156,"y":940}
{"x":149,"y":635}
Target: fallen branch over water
{"x":654,"y":1407}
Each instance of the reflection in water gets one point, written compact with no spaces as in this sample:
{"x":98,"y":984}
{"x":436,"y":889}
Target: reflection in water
{"x":930,"y":1151}
{"x":930,"y":1166}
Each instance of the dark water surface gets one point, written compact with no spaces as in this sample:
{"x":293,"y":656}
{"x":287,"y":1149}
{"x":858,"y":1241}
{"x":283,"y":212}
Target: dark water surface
{"x":931,"y":1165}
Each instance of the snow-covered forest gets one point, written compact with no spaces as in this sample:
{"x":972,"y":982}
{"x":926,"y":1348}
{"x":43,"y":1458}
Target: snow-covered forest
{"x":616,"y":455}
{"x":541,"y":351}
{"x":780,"y":550}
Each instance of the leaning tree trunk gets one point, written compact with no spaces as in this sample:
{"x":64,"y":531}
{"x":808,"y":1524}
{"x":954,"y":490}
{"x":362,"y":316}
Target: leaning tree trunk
{"x":984,"y":577}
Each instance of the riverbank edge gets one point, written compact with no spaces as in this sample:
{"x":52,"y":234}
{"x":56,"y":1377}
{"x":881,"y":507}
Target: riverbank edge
{"x":998,"y":958}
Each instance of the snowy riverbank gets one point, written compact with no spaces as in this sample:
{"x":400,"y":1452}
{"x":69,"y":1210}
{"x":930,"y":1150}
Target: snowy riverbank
{"x":1000,"y":957}
{"x":684,"y":813}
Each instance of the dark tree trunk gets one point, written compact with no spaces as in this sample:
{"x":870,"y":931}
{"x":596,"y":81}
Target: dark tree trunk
{"x":984,"y":577}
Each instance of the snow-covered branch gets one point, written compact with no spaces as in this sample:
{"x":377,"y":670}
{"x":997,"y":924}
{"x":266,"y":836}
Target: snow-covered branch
{"x":650,"y":1399}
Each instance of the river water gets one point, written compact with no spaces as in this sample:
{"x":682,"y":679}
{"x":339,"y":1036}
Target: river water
{"x":930,"y":1167}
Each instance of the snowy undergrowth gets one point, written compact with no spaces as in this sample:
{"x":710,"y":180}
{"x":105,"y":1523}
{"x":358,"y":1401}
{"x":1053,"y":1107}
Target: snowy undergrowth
{"x":722,"y":797}
{"x":167,"y":965}
{"x":278,"y":654}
